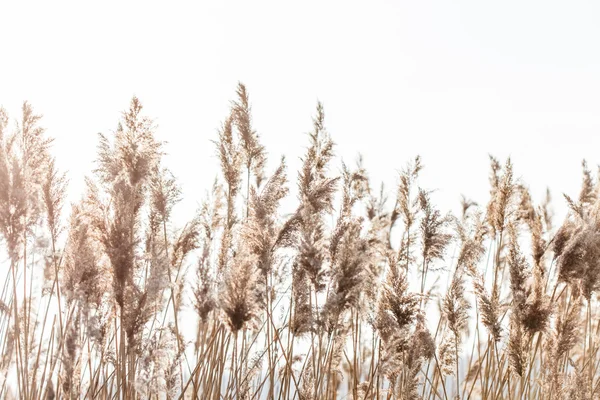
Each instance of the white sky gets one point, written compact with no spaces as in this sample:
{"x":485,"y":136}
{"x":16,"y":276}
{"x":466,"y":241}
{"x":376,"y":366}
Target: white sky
{"x":451,"y":81}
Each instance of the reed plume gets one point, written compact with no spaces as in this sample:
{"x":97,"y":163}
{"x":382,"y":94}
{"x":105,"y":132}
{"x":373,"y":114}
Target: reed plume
{"x":304,"y":230}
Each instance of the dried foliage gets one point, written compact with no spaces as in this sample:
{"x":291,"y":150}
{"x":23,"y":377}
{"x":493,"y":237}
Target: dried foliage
{"x":111,"y":297}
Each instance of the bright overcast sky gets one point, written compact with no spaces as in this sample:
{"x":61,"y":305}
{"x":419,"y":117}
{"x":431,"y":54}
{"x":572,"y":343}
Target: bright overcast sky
{"x":449,"y":80}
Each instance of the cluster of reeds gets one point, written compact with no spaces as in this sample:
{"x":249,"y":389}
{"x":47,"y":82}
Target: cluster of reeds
{"x":357,"y":294}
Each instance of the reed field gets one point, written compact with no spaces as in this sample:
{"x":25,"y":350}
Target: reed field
{"x":364,"y":291}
